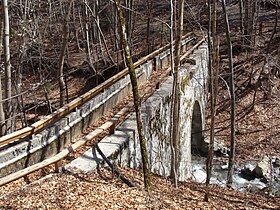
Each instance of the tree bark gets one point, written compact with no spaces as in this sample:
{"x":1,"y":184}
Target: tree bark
{"x":88,"y":50}
{"x":2,"y":113}
{"x":7,"y":66}
{"x":241,"y":20}
{"x":246,"y":23}
{"x":136,"y":96}
{"x":173,"y":173}
{"x":62,"y":85}
{"x":232,"y":100}
{"x":212,"y":59}
{"x":176,"y":93}
{"x":149,"y":5}
{"x":253,"y":23}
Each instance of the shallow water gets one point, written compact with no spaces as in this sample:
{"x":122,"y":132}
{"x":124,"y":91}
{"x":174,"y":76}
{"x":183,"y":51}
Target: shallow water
{"x":219,"y":176}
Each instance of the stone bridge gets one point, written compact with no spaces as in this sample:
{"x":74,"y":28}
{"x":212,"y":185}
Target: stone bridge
{"x":123,"y":146}
{"x":41,"y":141}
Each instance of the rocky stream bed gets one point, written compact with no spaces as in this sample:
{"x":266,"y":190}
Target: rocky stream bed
{"x":257,"y":176}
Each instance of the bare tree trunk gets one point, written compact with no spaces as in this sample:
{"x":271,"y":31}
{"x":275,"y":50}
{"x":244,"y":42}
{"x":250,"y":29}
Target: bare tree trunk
{"x":74,"y":29}
{"x":100,"y":34}
{"x":273,"y":32}
{"x":173,"y":173}
{"x":253,"y":23}
{"x":88,"y":51}
{"x":2,"y":113}
{"x":268,"y":96}
{"x":137,"y":98}
{"x":62,"y":85}
{"x":241,"y":20}
{"x":7,"y":64}
{"x":246,"y":23}
{"x":149,"y":5}
{"x":129,"y":5}
{"x":232,"y":100}
{"x":176,"y":92}
{"x":212,"y":59}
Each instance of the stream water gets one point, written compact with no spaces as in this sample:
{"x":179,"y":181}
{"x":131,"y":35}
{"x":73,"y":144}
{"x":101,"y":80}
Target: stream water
{"x":219,"y":176}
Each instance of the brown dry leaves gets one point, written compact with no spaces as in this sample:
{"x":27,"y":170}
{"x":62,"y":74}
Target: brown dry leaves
{"x":257,"y":131}
{"x":101,"y":190}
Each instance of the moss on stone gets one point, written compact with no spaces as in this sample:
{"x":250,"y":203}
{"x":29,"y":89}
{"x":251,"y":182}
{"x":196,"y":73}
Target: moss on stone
{"x":185,"y":82}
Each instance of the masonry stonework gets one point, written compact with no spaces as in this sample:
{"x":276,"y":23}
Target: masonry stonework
{"x":156,"y":120}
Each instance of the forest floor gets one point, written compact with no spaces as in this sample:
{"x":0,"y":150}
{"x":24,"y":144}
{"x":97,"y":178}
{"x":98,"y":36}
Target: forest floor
{"x":101,"y":190}
{"x":257,"y":74}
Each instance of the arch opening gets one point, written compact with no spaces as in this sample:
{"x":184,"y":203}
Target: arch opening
{"x":196,"y":131}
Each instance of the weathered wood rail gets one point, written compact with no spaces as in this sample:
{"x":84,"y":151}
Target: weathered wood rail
{"x":157,"y":59}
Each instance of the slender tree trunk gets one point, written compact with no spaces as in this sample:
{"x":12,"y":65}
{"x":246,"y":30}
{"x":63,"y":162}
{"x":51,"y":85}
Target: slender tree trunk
{"x":232,"y":100}
{"x":253,"y":23}
{"x":213,"y":60}
{"x":100,"y":34}
{"x":137,"y":98}
{"x":129,"y":5}
{"x":88,"y":50}
{"x":2,"y":113}
{"x":173,"y":173}
{"x":62,"y":85}
{"x":241,"y":20}
{"x":7,"y":66}
{"x":176,"y":92}
{"x":74,"y":29}
{"x":149,"y":5}
{"x":246,"y":23}
{"x":273,"y":32}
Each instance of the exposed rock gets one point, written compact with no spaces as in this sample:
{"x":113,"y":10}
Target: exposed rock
{"x":248,"y":172}
{"x":219,"y":148}
{"x":275,"y":161}
{"x":224,"y":167}
{"x":263,"y":168}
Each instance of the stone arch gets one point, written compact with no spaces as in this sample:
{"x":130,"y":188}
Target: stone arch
{"x":196,"y":130}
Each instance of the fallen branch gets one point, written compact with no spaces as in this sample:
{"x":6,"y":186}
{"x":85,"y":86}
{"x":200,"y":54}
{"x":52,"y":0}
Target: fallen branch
{"x":114,"y":169}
